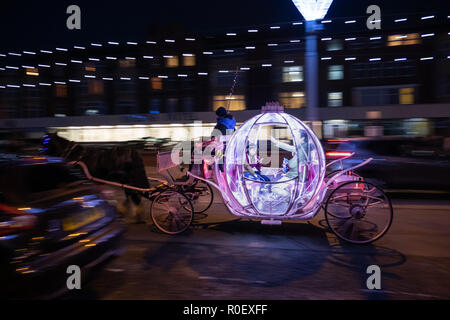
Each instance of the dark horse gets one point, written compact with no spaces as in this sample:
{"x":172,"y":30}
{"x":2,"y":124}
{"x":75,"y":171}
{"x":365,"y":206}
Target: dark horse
{"x":119,"y":164}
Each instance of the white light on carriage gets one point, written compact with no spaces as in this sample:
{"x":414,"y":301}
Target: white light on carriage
{"x":294,"y":41}
{"x":350,"y":21}
{"x":169,"y":40}
{"x":427,"y":35}
{"x":46,"y":51}
{"x":12,"y":67}
{"x":202,"y":73}
{"x":29,"y":85}
{"x":60,"y":82}
{"x":60,"y":64}
{"x":130,"y":58}
{"x":148,"y":57}
{"x":326,"y":21}
{"x":89,"y":76}
{"x":45,"y":84}
{"x":188,"y":55}
{"x":326,"y":39}
{"x":223,"y":71}
{"x":163,"y":77}
{"x":28,"y":67}
{"x":207,"y":52}
{"x":266,"y":65}
{"x":74,"y":80}
{"x":76,"y":61}
{"x":288,"y":61}
{"x":244,"y":68}
{"x":253,"y":30}
{"x":29,"y":52}
{"x":350,"y":59}
{"x":150,"y":42}
{"x":107,"y":79}
{"x":401,"y":20}
{"x":189,"y":39}
{"x":374,"y":59}
{"x":12,"y":86}
{"x":111,"y":58}
{"x":375,"y":38}
{"x":144,"y":78}
{"x":231,"y":34}
{"x":113,"y":43}
{"x":182,"y":75}
{"x":228,"y":50}
{"x":350,"y":39}
{"x":44,"y":65}
{"x":400,"y":59}
{"x":94,"y":59}
{"x":275,"y":27}
{"x":426,"y":58}
{"x":272,"y":44}
{"x":131,"y":43}
{"x":61,"y":49}
{"x":297,"y":23}
{"x":427,"y":17}
{"x":125,"y":78}
{"x":2,"y":55}
{"x":96,"y":45}
{"x":79,"y":47}
{"x":250,"y":48}
{"x":325,"y":58}
{"x":14,"y":54}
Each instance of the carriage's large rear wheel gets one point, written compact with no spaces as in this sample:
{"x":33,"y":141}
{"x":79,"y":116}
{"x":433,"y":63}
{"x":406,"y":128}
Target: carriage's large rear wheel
{"x":358,"y":212}
{"x":171,"y":212}
{"x":201,"y":195}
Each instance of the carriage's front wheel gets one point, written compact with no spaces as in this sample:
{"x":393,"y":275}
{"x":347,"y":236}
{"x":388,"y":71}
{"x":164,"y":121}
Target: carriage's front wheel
{"x":171,"y":212}
{"x":358,"y":212}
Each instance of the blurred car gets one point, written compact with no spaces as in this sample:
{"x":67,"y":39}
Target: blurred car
{"x":51,"y":217}
{"x":398,"y":163}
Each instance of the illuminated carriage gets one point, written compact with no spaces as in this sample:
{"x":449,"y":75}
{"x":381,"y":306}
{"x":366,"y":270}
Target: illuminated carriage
{"x":273,"y":168}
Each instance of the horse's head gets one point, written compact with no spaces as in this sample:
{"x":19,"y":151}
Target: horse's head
{"x":53,"y":145}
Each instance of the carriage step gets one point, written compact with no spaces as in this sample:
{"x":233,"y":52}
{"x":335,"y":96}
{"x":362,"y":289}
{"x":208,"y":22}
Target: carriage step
{"x":271,"y":222}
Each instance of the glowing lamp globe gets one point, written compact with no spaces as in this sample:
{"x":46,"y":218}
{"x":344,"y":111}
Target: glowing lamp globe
{"x":274,"y":167}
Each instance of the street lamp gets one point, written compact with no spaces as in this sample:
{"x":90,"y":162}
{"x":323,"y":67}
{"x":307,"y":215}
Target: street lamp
{"x":312,"y":10}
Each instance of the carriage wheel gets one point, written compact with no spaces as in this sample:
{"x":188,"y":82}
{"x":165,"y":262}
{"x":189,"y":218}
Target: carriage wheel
{"x":201,"y":195}
{"x":358,"y":212}
{"x":171,"y":212}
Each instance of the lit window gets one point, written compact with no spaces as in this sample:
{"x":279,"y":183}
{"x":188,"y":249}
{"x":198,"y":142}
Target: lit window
{"x":335,"y":99}
{"x":172,"y":62}
{"x":292,"y":100}
{"x":32,"y":72}
{"x":234,"y":103}
{"x":61,"y":90}
{"x":406,"y":95}
{"x":336,"y":72}
{"x":90,"y":68}
{"x":156,"y":83}
{"x":95,"y":87}
{"x":334,"y":45}
{"x":125,"y":63}
{"x":403,"y":39}
{"x":293,"y":74}
{"x":189,"y":61}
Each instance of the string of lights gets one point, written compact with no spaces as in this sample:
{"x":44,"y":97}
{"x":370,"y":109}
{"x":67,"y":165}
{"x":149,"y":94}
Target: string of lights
{"x":213,"y":52}
{"x":346,"y":21}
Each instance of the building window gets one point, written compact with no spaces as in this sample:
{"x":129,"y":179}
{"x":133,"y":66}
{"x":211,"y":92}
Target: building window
{"x":387,"y":95}
{"x":336,"y":72}
{"x":32,"y":72}
{"x":293,"y":74}
{"x":292,"y":100}
{"x":335,"y":99}
{"x":156,"y":83}
{"x":172,"y":62}
{"x":61,"y":90}
{"x":95,"y":87}
{"x":125,"y":63}
{"x":189,"y":60}
{"x":403,"y":39}
{"x":334,"y":45}
{"x":235,"y":103}
{"x":376,"y":70}
{"x":406,"y":95}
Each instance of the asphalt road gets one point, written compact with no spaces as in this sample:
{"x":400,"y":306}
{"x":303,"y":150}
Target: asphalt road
{"x":220,"y":257}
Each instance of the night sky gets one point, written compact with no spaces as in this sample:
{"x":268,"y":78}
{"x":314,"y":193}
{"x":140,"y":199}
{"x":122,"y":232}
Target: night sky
{"x":42,"y":24}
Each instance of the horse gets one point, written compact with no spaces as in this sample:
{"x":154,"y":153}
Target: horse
{"x":118,"y":164}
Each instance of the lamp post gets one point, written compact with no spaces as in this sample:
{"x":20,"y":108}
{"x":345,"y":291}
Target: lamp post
{"x":312,"y":10}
